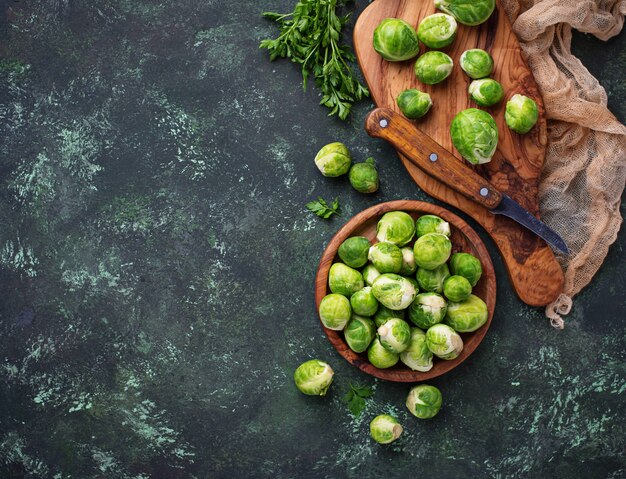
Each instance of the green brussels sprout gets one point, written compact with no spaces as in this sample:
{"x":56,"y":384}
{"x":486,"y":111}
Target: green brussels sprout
{"x":432,"y":250}
{"x":408,"y":261}
{"x":386,"y":257}
{"x":384,"y":314}
{"x":437,"y":30}
{"x":475,"y":134}
{"x":385,"y":429}
{"x":432,"y":279}
{"x":380,"y":357}
{"x":370,"y":273}
{"x":468,"y":315}
{"x":457,"y":288}
{"x":364,"y":176}
{"x":313,"y":377}
{"x":395,"y":335}
{"x":431,"y":224}
{"x":363,"y":302}
{"x":443,"y":341}
{"x":433,"y":67}
{"x":486,"y":91}
{"x":395,"y":40}
{"x":344,"y":280}
{"x":354,"y":250}
{"x":521,"y":113}
{"x":395,"y":227}
{"x":466,"y":265}
{"x":424,"y":401}
{"x":359,"y":333}
{"x":333,"y":159}
{"x":394,"y":291}
{"x":417,"y":357}
{"x":467,"y":12}
{"x":413,"y":103}
{"x":335,"y":311}
{"x":476,"y":63}
{"x":427,"y":309}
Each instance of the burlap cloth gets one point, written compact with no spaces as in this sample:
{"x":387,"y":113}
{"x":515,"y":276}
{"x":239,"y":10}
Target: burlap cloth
{"x":585,"y":167}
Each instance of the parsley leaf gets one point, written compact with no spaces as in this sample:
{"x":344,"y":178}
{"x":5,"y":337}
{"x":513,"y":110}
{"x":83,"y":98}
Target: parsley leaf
{"x":321,"y":208}
{"x":355,"y":398}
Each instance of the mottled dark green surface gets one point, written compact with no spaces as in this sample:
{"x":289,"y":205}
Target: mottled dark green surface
{"x":157,"y":266}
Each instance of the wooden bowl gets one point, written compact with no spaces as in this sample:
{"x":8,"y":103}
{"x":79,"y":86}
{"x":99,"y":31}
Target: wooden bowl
{"x":463,"y":238}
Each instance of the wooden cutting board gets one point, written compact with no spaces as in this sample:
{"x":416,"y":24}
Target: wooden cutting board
{"x":516,"y":166}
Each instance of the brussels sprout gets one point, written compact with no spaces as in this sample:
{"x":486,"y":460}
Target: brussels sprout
{"x":313,"y":377}
{"x":521,"y":113}
{"x":476,"y":63}
{"x":432,"y":250}
{"x":364,"y":176}
{"x":468,"y":315}
{"x":408,"y":261}
{"x":385,"y":429}
{"x":467,"y":12}
{"x":359,"y":333}
{"x":384,"y":314}
{"x":354,"y":251}
{"x":363,"y":302}
{"x":394,"y":291}
{"x":395,"y":227}
{"x":431,"y":224}
{"x":417,"y":357}
{"x":486,"y":91}
{"x":424,"y":401}
{"x":380,"y":357}
{"x":427,"y":309}
{"x":386,"y":257}
{"x":433,"y":67}
{"x":395,"y":335}
{"x":443,"y":341}
{"x":370,"y":273}
{"x":413,"y":103}
{"x":395,"y":40}
{"x":457,"y":288}
{"x":335,"y":311}
{"x":437,"y":30}
{"x":344,"y":280}
{"x":432,"y":279}
{"x":333,"y":159}
{"x":475,"y":134}
{"x":466,"y":265}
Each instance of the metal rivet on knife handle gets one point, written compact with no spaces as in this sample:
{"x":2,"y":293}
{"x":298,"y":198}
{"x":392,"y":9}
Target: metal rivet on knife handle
{"x":383,"y":123}
{"x":433,"y":157}
{"x":484,"y":191}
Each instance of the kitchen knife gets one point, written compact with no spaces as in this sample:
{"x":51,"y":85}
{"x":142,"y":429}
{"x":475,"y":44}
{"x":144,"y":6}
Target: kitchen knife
{"x":439,"y":163}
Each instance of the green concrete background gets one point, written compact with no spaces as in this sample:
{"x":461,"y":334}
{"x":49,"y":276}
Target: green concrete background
{"x":157,"y":267}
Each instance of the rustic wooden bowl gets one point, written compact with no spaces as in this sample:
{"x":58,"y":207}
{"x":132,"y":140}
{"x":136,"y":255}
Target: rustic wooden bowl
{"x":463,"y":238}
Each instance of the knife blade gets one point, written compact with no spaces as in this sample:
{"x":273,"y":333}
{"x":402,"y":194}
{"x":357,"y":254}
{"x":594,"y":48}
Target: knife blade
{"x":435,"y":160}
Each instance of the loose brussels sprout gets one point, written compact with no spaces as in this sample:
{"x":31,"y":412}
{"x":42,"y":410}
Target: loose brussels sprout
{"x":370,"y":273}
{"x":457,"y":288}
{"x":417,"y":357}
{"x":476,"y":63}
{"x":467,"y":12}
{"x":380,"y":357}
{"x":466,"y":265}
{"x":468,"y":315}
{"x":475,"y":134}
{"x":413,"y":103}
{"x":432,"y":279}
{"x":521,"y":113}
{"x":424,"y":401}
{"x":486,"y":91}
{"x":313,"y":377}
{"x":344,"y":280}
{"x":431,"y":224}
{"x":333,"y":159}
{"x":427,"y":309}
{"x":386,"y":257}
{"x":395,"y":335}
{"x":432,"y":250}
{"x":395,"y":227}
{"x":354,"y":251}
{"x":437,"y":30}
{"x":443,"y":341}
{"x":364,"y":176}
{"x":363,"y":302}
{"x":394,"y":291}
{"x":335,"y":311}
{"x":385,"y":429}
{"x":359,"y":333}
{"x":408,"y":261}
{"x":433,"y":67}
{"x":384,"y":314}
{"x":395,"y":40}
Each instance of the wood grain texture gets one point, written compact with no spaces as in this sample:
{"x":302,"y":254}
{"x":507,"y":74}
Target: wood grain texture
{"x":463,"y":238}
{"x":516,"y":166}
